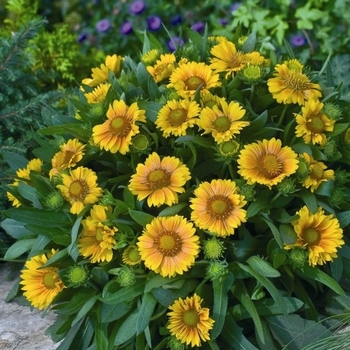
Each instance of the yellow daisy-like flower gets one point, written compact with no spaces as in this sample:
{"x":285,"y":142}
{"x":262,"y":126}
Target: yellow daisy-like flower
{"x":97,"y":240}
{"x":318,"y":173}
{"x":226,"y":58}
{"x":217,"y":207}
{"x":320,"y":234}
{"x":163,"y":67}
{"x":98,"y":94}
{"x":189,"y":77}
{"x":160,"y":180}
{"x":100,"y":74}
{"x":131,"y":255}
{"x":177,"y":116}
{"x":222,"y":121}
{"x":255,"y":58}
{"x":292,"y":86}
{"x":312,"y":123}
{"x":266,"y":162}
{"x":168,"y":245}
{"x":189,"y":322}
{"x":80,"y":188}
{"x":40,"y":285}
{"x":150,"y":57}
{"x":71,"y":152}
{"x":115,"y":134}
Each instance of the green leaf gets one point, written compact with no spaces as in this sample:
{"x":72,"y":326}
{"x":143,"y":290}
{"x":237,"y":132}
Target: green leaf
{"x":140,"y":217}
{"x":73,"y":248}
{"x":111,"y":313}
{"x":344,"y":218}
{"x":262,"y":267}
{"x":249,"y":44}
{"x":123,"y":294}
{"x":151,"y":108}
{"x":87,"y":306}
{"x":145,"y":312}
{"x":14,"y":228}
{"x":174,"y":209}
{"x":77,"y":130}
{"x":18,"y":248}
{"x":315,"y":274}
{"x":14,"y":160}
{"x":274,"y":229}
{"x":101,"y":335}
{"x":127,"y":330}
{"x":157,"y":281}
{"x":220,"y":288}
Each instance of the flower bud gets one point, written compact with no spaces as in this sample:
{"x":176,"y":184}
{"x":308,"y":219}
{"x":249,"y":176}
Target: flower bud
{"x":150,"y":57}
{"x":286,"y":186}
{"x":213,"y":249}
{"x":216,"y":269}
{"x":332,"y":111}
{"x":248,"y":192}
{"x":140,"y":144}
{"x":175,"y":344}
{"x":229,"y":149}
{"x":330,"y":149}
{"x":341,"y":177}
{"x":337,"y":197}
{"x":126,"y":276}
{"x":241,"y":41}
{"x":303,"y":170}
{"x":54,"y":200}
{"x":107,"y":199}
{"x":131,"y":255}
{"x":76,"y":275}
{"x":251,"y":74}
{"x":97,"y":110}
{"x":297,"y":257}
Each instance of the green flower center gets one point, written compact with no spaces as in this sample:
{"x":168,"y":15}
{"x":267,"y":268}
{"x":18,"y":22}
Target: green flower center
{"x":140,"y":142}
{"x":99,"y":234}
{"x":311,"y":236}
{"x":168,"y":243}
{"x":177,"y":117}
{"x":316,"y":171}
{"x":229,"y":147}
{"x":193,"y":83}
{"x":50,"y":279}
{"x":252,"y":72}
{"x":270,"y":166}
{"x":190,"y":318}
{"x":78,"y":189}
{"x":315,"y":124}
{"x":133,"y":254}
{"x":222,"y":124}
{"x":77,"y":275}
{"x":119,"y":126}
{"x":158,"y":179}
{"x":219,"y":207}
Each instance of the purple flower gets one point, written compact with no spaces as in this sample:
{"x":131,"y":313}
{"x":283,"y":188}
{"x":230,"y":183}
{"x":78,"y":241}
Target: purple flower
{"x":137,"y":7}
{"x":297,"y":40}
{"x":126,"y":28}
{"x":103,"y":25}
{"x":235,"y":6}
{"x":174,"y":43}
{"x":82,"y":37}
{"x":198,"y":27}
{"x":223,"y":21}
{"x":175,"y":20}
{"x":154,"y":22}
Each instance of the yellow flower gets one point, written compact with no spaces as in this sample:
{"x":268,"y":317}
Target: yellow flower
{"x":320,"y":234}
{"x":226,"y":58}
{"x":40,"y":285}
{"x":159,"y":179}
{"x":115,"y":134}
{"x":222,"y":121}
{"x":71,"y":152}
{"x":189,"y":77}
{"x":266,"y":162}
{"x":163,"y":67}
{"x":97,"y":238}
{"x":100,"y":74}
{"x":318,"y":173}
{"x":168,"y":245}
{"x":256,"y":59}
{"x":80,"y":188}
{"x":189,"y":322}
{"x":291,"y":85}
{"x":217,"y":207}
{"x":98,"y":94}
{"x":131,"y":255}
{"x":150,"y":57}
{"x":312,"y":123}
{"x":176,"y":117}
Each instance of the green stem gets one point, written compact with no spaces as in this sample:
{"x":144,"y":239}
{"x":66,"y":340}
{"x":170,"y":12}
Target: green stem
{"x":282,"y":115}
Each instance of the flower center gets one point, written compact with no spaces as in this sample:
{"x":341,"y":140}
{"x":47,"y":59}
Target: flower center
{"x":78,"y":189}
{"x":99,"y":234}
{"x":315,"y":124}
{"x":177,"y":117}
{"x":222,"y":123}
{"x":311,"y":236}
{"x":316,"y":171}
{"x":119,"y":126}
{"x":50,"y":279}
{"x":219,"y":206}
{"x":68,"y":157}
{"x":193,"y":83}
{"x":158,"y":179}
{"x":297,"y":82}
{"x":134,"y":255}
{"x":190,"y":318}
{"x":270,"y":166}
{"x":168,"y":243}
{"x":77,"y":274}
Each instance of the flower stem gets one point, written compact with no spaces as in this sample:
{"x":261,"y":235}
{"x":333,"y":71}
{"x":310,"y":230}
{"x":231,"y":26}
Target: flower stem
{"x":282,"y":115}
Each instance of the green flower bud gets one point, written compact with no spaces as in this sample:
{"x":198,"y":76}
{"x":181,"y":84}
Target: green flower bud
{"x":248,"y":192}
{"x":332,"y":111}
{"x":346,"y":138}
{"x":251,"y":74}
{"x":126,"y":276}
{"x":228,"y":150}
{"x":76,"y":275}
{"x":54,"y":200}
{"x":97,"y":110}
{"x":337,"y":197}
{"x":140,"y":144}
{"x":297,"y":257}
{"x":286,"y":186}
{"x":241,"y":40}
{"x":175,"y":344}
{"x":216,"y":269}
{"x":341,"y":177}
{"x":330,"y":149}
{"x":107,"y":199}
{"x":213,"y":249}
{"x":303,"y":170}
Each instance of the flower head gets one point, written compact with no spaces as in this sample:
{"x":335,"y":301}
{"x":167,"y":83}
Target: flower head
{"x":126,"y":28}
{"x":313,"y":123}
{"x":40,"y":285}
{"x":154,"y":23}
{"x":189,"y":321}
{"x":137,"y":7}
{"x":98,"y":94}
{"x":97,"y":240}
{"x":163,"y":67}
{"x":266,"y":162}
{"x":222,"y":121}
{"x":103,"y":25}
{"x":131,"y":255}
{"x":174,"y":43}
{"x":115,"y":134}
{"x":217,"y":207}
{"x":159,"y":179}
{"x":80,"y":188}
{"x":189,"y":77}
{"x":168,"y":245}
{"x":320,"y":234}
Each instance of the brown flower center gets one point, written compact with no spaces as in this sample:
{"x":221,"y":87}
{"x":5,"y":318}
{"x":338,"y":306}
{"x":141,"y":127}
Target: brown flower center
{"x":78,"y":189}
{"x":190,"y":318}
{"x":311,"y":236}
{"x":157,"y":179}
{"x":193,"y":83}
{"x":297,"y":82}
{"x":270,"y":166}
{"x":316,"y":171}
{"x":119,"y":126}
{"x":222,"y":123}
{"x":315,"y":124}
{"x":168,"y":243}
{"x":177,"y":117}
{"x":219,"y":207}
{"x":50,"y":279}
